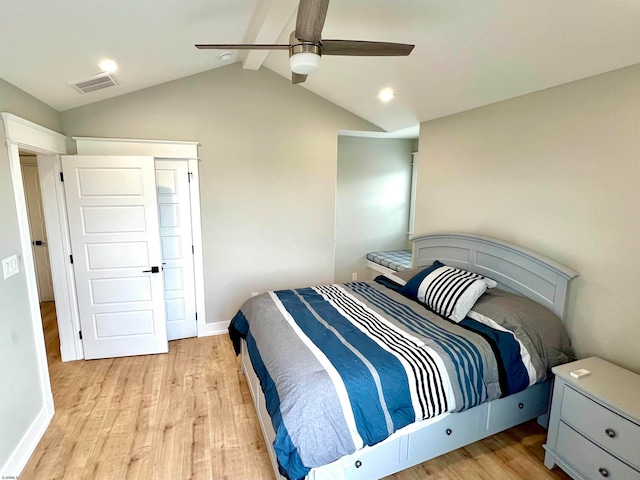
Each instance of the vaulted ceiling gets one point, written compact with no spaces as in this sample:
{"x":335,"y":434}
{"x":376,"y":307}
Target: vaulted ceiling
{"x":468,"y":53}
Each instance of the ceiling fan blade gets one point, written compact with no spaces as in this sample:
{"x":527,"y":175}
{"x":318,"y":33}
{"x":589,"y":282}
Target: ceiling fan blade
{"x":241,"y":46}
{"x":310,"y":20}
{"x":297,"y":78}
{"x":361,"y":48}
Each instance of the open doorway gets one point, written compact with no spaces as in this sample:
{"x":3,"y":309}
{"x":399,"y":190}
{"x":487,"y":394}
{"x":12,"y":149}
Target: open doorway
{"x":37,"y":226}
{"x":40,"y":253}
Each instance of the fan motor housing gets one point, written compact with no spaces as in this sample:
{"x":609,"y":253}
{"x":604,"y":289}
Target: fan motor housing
{"x":305,"y":47}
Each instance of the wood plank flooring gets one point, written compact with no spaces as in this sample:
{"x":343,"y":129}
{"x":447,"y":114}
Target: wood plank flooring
{"x":188,"y":415}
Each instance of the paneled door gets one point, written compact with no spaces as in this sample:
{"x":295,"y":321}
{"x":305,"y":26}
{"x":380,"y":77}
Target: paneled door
{"x":174,"y":212}
{"x":113,"y":224}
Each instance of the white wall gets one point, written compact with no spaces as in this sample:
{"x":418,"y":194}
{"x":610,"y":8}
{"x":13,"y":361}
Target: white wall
{"x":268,"y":173}
{"x":21,"y":398}
{"x":372,"y":202}
{"x":557,"y":171}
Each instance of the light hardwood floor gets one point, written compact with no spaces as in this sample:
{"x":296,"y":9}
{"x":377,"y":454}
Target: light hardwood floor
{"x":188,"y":415}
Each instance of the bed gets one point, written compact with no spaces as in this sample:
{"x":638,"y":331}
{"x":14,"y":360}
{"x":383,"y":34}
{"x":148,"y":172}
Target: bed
{"x":341,"y":414}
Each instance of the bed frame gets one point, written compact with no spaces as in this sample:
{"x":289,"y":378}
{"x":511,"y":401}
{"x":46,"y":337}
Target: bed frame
{"x":515,"y":269}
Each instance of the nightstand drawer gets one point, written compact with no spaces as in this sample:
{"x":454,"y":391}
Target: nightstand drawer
{"x":589,"y":459}
{"x":602,"y":426}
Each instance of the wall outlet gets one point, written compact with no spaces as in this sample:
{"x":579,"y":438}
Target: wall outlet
{"x":10,"y":266}
{"x":354,"y":276}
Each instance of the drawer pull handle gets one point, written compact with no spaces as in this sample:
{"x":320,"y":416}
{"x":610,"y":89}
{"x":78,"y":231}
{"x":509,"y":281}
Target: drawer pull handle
{"x":604,"y":472}
{"x":610,"y":433}
{"x":449,"y":431}
{"x":359,"y":464}
{"x":521,"y":406}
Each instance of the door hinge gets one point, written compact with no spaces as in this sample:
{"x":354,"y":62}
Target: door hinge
{"x":193,"y":250}
{"x":80,"y":334}
{"x":196,"y":316}
{"x":61,"y":177}
{"x":71,"y":258}
{"x":189,"y":176}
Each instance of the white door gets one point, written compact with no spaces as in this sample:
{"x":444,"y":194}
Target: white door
{"x":113,"y":224}
{"x":174,"y":212}
{"x":31,"y":181}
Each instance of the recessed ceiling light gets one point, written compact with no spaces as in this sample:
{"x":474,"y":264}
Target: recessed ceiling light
{"x":386,"y":94}
{"x":108,"y":65}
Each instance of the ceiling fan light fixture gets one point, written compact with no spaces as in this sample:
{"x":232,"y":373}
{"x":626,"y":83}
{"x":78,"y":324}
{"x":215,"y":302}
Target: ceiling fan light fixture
{"x":304,"y":63}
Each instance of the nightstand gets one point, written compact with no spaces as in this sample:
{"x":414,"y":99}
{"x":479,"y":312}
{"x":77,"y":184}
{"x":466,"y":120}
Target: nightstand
{"x":594,"y":426}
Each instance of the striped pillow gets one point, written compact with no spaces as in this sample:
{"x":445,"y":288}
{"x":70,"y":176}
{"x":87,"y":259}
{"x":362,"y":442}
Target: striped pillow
{"x":449,"y":291}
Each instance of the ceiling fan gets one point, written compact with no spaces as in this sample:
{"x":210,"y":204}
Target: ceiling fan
{"x":306,"y":45}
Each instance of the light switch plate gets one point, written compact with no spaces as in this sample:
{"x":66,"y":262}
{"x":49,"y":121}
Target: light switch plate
{"x":10,"y":266}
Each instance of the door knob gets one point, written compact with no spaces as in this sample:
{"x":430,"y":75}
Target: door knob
{"x":153,"y":270}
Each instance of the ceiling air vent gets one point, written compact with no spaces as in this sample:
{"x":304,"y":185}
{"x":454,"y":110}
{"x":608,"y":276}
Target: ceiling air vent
{"x":95,"y":82}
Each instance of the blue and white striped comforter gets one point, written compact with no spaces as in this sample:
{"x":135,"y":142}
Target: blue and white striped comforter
{"x":344,"y":366}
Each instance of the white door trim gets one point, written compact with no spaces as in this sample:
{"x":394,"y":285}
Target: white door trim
{"x":64,"y":282}
{"x":196,"y":234}
{"x":29,"y":269}
{"x":167,"y":149}
{"x":129,"y":146}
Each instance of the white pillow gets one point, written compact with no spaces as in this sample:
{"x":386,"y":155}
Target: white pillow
{"x":452,"y":292}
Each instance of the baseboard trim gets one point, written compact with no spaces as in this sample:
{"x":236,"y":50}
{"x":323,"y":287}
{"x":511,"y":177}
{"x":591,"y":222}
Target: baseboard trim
{"x":20,"y":456}
{"x":216,"y":328}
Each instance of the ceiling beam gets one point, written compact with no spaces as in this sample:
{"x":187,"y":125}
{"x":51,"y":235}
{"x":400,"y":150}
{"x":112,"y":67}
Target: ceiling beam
{"x":269,"y":19}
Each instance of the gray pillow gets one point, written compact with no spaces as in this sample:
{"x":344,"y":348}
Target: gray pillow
{"x":516,"y":313}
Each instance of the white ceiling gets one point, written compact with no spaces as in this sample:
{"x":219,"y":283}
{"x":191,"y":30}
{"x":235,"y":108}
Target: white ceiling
{"x":468,"y":53}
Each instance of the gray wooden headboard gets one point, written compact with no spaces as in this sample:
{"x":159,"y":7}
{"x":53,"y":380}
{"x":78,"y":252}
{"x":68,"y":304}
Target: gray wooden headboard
{"x":516,"y":269}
